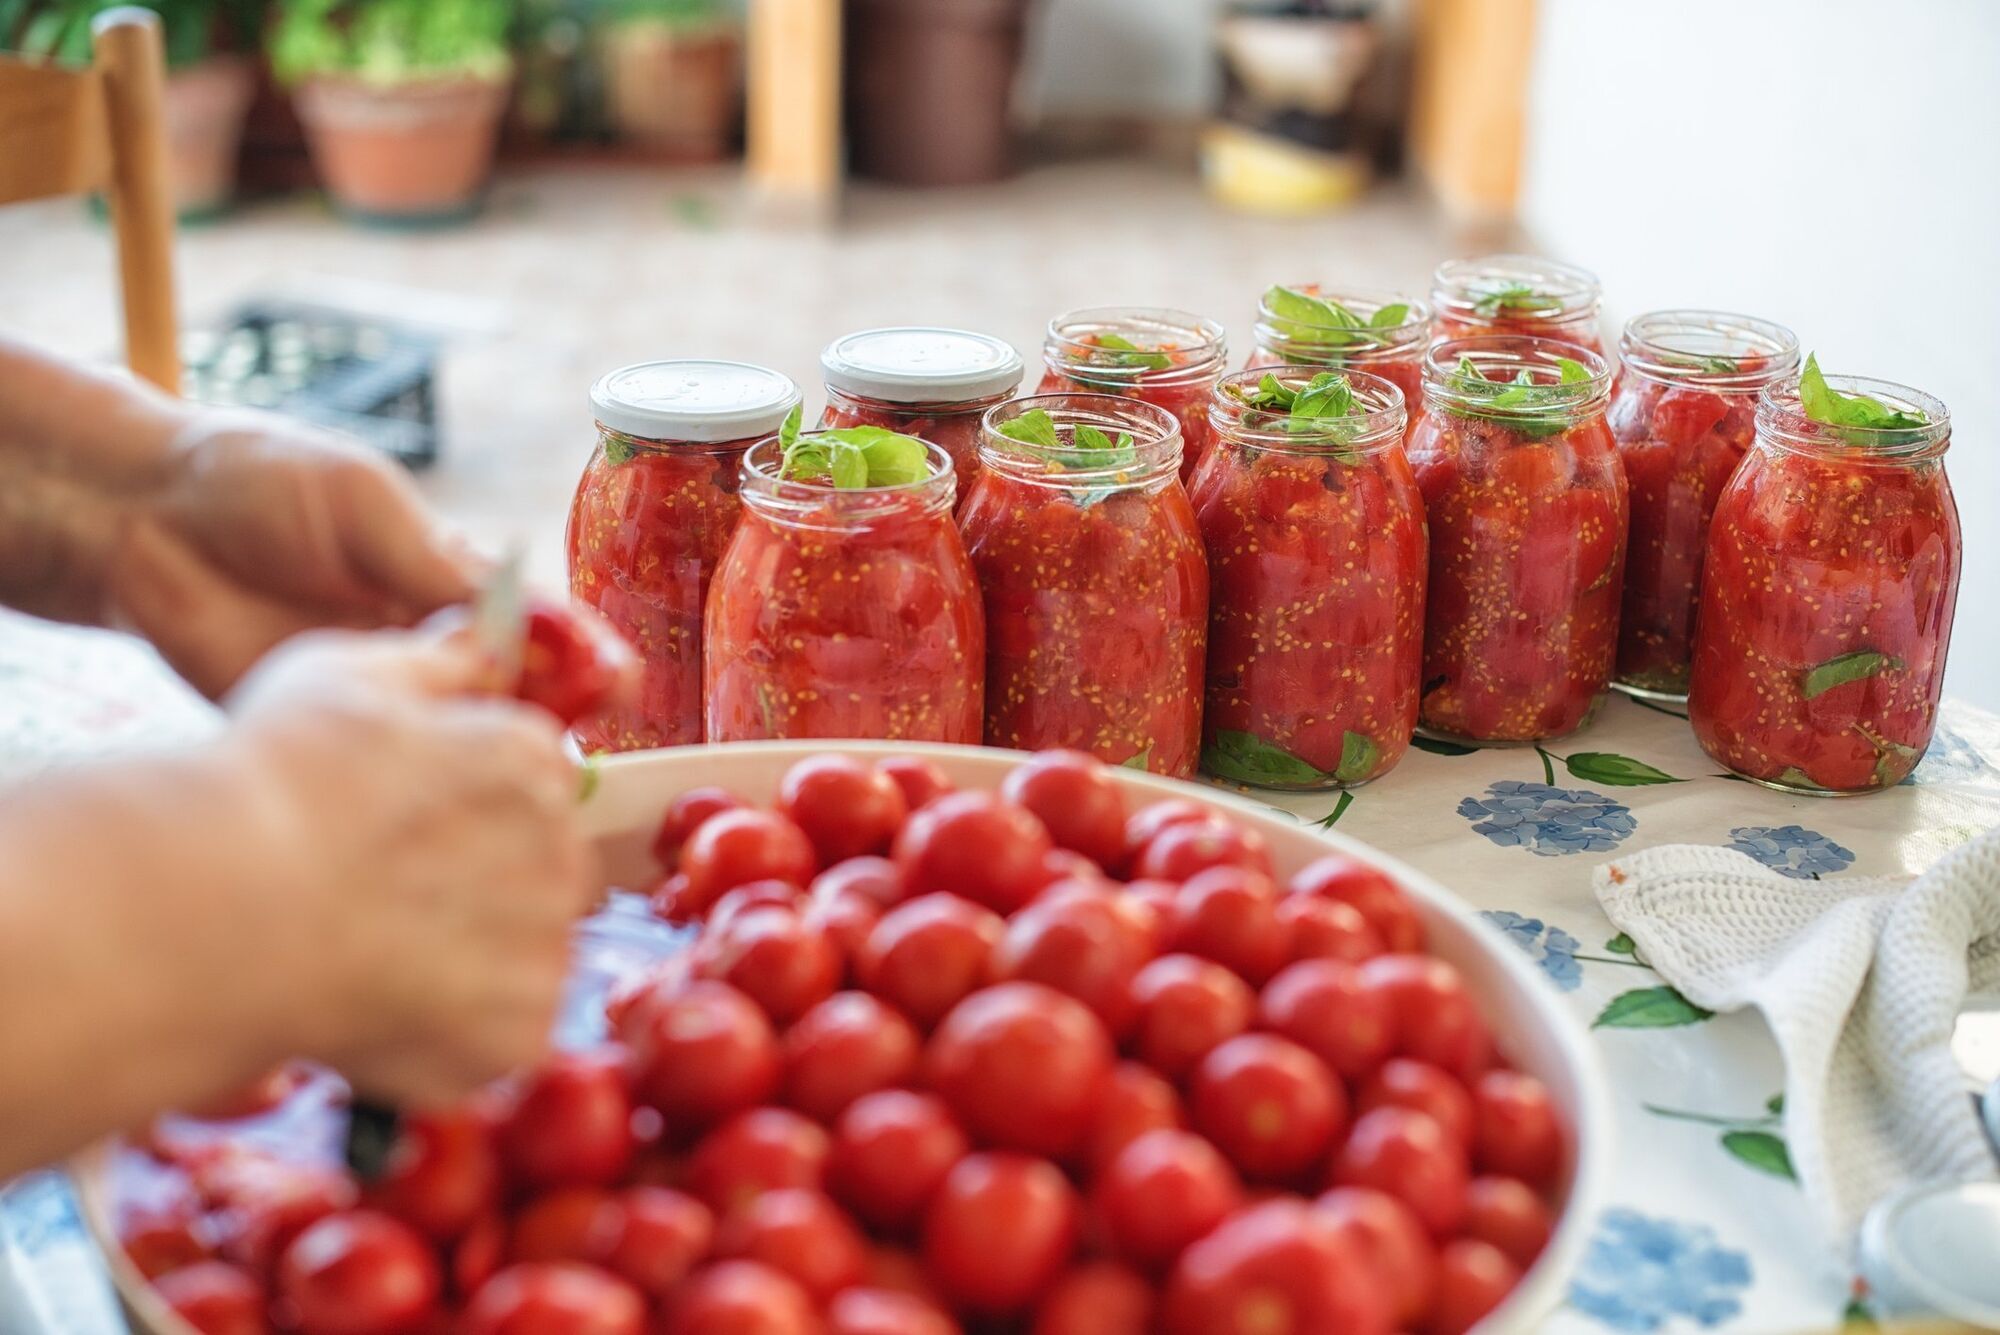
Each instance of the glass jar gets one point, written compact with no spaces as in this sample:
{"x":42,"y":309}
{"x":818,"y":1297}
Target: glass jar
{"x":1516,"y":294}
{"x":1683,"y":413}
{"x":1827,"y":597}
{"x":935,"y":384}
{"x":1290,"y":332}
{"x":1526,"y":503}
{"x":844,"y":613}
{"x":1167,"y":358}
{"x":655,"y":507}
{"x":1316,"y":566}
{"x":1095,"y":584}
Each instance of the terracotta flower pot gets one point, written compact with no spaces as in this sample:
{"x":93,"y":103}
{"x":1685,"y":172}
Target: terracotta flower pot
{"x":675,"y":87}
{"x":930,"y":88}
{"x":205,"y":107}
{"x":406,"y":154}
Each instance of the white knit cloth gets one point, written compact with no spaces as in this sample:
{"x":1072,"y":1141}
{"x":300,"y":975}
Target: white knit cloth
{"x":1860,"y":979}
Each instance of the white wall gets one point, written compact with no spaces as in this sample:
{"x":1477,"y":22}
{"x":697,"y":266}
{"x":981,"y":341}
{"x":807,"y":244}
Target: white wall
{"x":1830,"y":164}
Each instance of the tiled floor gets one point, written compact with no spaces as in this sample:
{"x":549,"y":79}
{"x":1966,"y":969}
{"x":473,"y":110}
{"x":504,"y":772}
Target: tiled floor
{"x":573,"y":272}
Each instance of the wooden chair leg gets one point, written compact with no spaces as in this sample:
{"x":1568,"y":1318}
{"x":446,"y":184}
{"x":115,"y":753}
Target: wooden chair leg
{"x":793,"y":159}
{"x":131,"y":56}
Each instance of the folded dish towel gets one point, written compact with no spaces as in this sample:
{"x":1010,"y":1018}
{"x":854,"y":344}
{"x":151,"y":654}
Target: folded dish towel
{"x":1860,"y":979}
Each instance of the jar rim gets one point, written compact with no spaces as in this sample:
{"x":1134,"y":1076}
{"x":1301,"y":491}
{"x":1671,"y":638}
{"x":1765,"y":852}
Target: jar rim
{"x":1708,"y":348}
{"x":1463,"y":286}
{"x":1274,"y":332}
{"x":1383,"y":419}
{"x":1782,"y":420}
{"x":821,"y":504}
{"x":1156,"y":437}
{"x":1445,"y":388}
{"x":1204,"y":343}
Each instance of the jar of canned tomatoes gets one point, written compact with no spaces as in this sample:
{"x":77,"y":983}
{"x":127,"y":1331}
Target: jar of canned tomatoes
{"x":1517,"y":294}
{"x":1827,"y":595}
{"x":1170,"y":359}
{"x":1526,"y":504}
{"x":1683,"y":414}
{"x":1095,"y":584}
{"x":1316,"y":557}
{"x":935,"y":384}
{"x":1345,"y":329}
{"x":655,"y":507}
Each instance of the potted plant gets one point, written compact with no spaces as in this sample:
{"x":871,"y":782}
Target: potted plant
{"x":673,"y":75}
{"x":401,"y":100}
{"x":930,"y":88}
{"x":209,"y":80}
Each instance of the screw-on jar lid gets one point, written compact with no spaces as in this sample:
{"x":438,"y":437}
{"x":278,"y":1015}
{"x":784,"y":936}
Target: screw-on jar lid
{"x":916,"y":365}
{"x":693,"y":400}
{"x":1933,"y":1249}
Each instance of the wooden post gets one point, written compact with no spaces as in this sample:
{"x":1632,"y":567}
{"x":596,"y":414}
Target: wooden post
{"x":130,"y":55}
{"x":1469,"y":101}
{"x":793,"y":157}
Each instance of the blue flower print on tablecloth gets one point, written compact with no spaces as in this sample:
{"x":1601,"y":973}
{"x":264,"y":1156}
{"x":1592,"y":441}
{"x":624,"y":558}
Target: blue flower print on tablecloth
{"x":1547,"y":945}
{"x":1548,"y":821}
{"x":1641,"y":1272}
{"x":39,"y":1212}
{"x":1950,"y":759}
{"x":1792,"y":850}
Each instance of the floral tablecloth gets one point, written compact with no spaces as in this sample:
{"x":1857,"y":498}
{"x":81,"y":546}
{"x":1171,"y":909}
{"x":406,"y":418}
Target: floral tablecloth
{"x":1705,"y":1230}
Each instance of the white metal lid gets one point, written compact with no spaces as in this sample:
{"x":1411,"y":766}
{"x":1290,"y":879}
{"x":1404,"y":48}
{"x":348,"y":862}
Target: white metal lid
{"x":1934,"y":1250}
{"x":920,"y":365}
{"x":693,"y":400}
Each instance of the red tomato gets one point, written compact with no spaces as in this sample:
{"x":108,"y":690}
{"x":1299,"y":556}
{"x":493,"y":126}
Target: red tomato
{"x":1474,"y":1277}
{"x":742,"y":1298}
{"x":885,"y":1312}
{"x":1082,"y":940}
{"x":874,"y":879}
{"x":1021,"y":1065}
{"x":567,"y":1224}
{"x":477,"y":1256}
{"x":737,"y":847}
{"x":1275,"y":1267}
{"x":1434,"y":1016}
{"x":1136,"y":1099}
{"x":1186,"y":1006}
{"x":1145,"y":824}
{"x":1061,"y":864}
{"x":845,"y":807}
{"x":774,"y":957}
{"x":1516,"y":1129}
{"x":756,"y":895}
{"x":928,"y":954}
{"x":572,"y":661}
{"x":1161,"y":1192}
{"x":685,"y":815}
{"x":1270,"y":1105}
{"x":1187,"y":847}
{"x":1506,"y":1212}
{"x":1321,"y":1005}
{"x":571,"y":1124}
{"x":1408,"y":1155}
{"x":1408,"y":1083}
{"x":265,"y":1202}
{"x":359,"y":1272}
{"x":900,"y":1271}
{"x":1391,"y":1241}
{"x":974,"y":845}
{"x":764,"y":1149}
{"x":1379,"y":899}
{"x":663,"y":1235}
{"x":442,"y":1174}
{"x":1155,"y":901}
{"x":1096,"y":1298}
{"x":999,"y":1231}
{"x":1076,"y":797}
{"x":702,"y":1051}
{"x":891,"y":1150}
{"x":157,"y":1242}
{"x":1330,"y":929}
{"x":801,"y":1234}
{"x":216,"y":1298}
{"x":560,"y":1299}
{"x":848,"y":1045}
{"x":921,"y":780}
{"x":1229,"y":914}
{"x":845,"y":916}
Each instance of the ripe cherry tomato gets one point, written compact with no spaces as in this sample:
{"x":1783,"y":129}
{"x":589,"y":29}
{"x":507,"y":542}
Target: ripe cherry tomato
{"x":555,"y":1299}
{"x":567,"y":1224}
{"x":1186,"y":1006}
{"x":1391,"y":1241}
{"x":663,"y":1235}
{"x":1516,"y":1129}
{"x":443,"y":1173}
{"x":1434,"y":1016}
{"x":1229,"y":914}
{"x":572,"y":661}
{"x":1021,"y":1065}
{"x":263,"y":1202}
{"x":216,"y":1298}
{"x":478,"y":1255}
{"x":1136,"y":1099}
{"x":928,"y":954}
{"x":848,"y":1045}
{"x":1321,"y":1005}
{"x":755,"y":895}
{"x":801,"y":1234}
{"x":1082,"y":940}
{"x":685,"y":815}
{"x":999,"y":1231}
{"x":571,"y":1124}
{"x":1161,"y":1192}
{"x":1329,"y":929}
{"x":1076,"y":797}
{"x":845,"y":917}
{"x":1096,"y":1298}
{"x":1061,"y":864}
{"x":891,"y":1151}
{"x":1267,"y":1103}
{"x":921,"y":780}
{"x":1409,"y":1083}
{"x":1274,"y":1267}
{"x":1146,"y":823}
{"x":359,"y":1272}
{"x":733,"y":848}
{"x":742,"y":1298}
{"x":764,"y":1149}
{"x":885,"y":1312}
{"x":846,"y":808}
{"x":1506,"y":1212}
{"x":974,"y":845}
{"x":1379,"y":899}
{"x":1408,"y":1155}
{"x":702,"y":1051}
{"x":1474,"y":1277}
{"x":875,"y":879}
{"x":157,"y":1241}
{"x":772,"y":956}
{"x":1187,"y":847}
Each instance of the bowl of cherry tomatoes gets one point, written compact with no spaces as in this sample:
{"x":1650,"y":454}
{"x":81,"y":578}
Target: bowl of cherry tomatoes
{"x":930,"y":1040}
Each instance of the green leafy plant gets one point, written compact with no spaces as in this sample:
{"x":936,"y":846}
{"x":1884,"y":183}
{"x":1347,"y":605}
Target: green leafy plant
{"x":1516,"y":298}
{"x":1823,"y":403}
{"x":1314,"y":321}
{"x":1532,"y":407}
{"x":1087,"y":448}
{"x":1118,"y":350}
{"x":851,"y":457}
{"x":392,"y":41}
{"x":667,"y":13}
{"x":192,"y":29}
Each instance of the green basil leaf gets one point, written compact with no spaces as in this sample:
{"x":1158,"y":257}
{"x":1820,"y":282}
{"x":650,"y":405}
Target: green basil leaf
{"x":1775,"y":1104}
{"x":1332,"y":818}
{"x":1615,"y":770}
{"x":618,"y":448}
{"x":1128,"y":353}
{"x":1649,"y":1008}
{"x":1139,"y":761}
{"x":1314,"y":321}
{"x":1857,"y":666}
{"x":1823,"y":403}
{"x":1358,"y":757}
{"x":1248,"y":758}
{"x":1515,"y":297}
{"x":1034,"y":427}
{"x":789,"y":430}
{"x":1390,"y":316}
{"x":1438,"y":746}
{"x":1762,"y":1151}
{"x":848,"y":467}
{"x":1570,"y":372}
{"x":588,"y":776}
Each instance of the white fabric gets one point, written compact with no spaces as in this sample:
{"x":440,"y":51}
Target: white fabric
{"x":1860,"y":979}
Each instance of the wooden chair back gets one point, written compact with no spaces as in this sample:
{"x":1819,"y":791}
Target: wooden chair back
{"x":68,"y":132}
